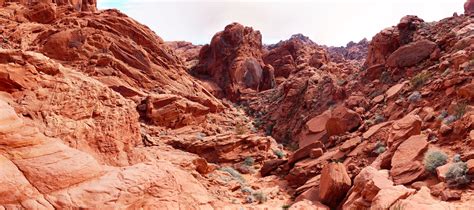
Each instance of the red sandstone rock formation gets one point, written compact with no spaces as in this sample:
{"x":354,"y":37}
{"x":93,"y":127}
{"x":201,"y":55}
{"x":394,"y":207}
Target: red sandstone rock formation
{"x":78,"y":5}
{"x":233,"y":60}
{"x":96,"y":111}
{"x":294,"y":54}
{"x":469,"y":7}
{"x":352,"y":51}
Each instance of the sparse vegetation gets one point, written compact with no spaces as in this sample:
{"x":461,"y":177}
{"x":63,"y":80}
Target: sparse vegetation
{"x":234,"y":173}
{"x":470,"y":66}
{"x":457,"y":158}
{"x":379,"y":148}
{"x":286,"y":207}
{"x":247,"y":190}
{"x":240,"y":129}
{"x":269,"y":130}
{"x":460,"y":110}
{"x":379,"y":118}
{"x":249,"y":161}
{"x":258,"y":122}
{"x":280,"y":154}
{"x":261,"y":197}
{"x":450,"y":119}
{"x":434,"y":159}
{"x":419,"y":80}
{"x":414,"y":97}
{"x":457,"y":175}
{"x":385,"y":78}
{"x":443,"y":115}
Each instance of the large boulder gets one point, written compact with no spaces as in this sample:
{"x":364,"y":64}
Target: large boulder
{"x":334,"y":184}
{"x":411,"y":54}
{"x":233,"y":60}
{"x":404,"y":128}
{"x":381,"y":46}
{"x":373,"y":189}
{"x":174,"y":111}
{"x":332,"y":122}
{"x":406,"y":161}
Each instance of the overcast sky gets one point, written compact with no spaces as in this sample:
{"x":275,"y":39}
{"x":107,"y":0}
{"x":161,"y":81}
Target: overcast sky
{"x":329,"y":22}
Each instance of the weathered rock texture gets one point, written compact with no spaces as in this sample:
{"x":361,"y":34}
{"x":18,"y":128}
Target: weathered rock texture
{"x":233,"y":60}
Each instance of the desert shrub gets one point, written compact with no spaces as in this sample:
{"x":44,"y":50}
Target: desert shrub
{"x":280,"y":154}
{"x":260,"y":197}
{"x":258,"y":122}
{"x":457,"y":175}
{"x":269,"y":130}
{"x":460,"y":110}
{"x":434,"y":159}
{"x":443,"y":115}
{"x":470,"y":66}
{"x":286,"y":207}
{"x":240,"y":129}
{"x":247,"y":190}
{"x":233,"y":173}
{"x":414,"y":97}
{"x":419,"y":80}
{"x":379,"y":119}
{"x":385,"y":78}
{"x":457,"y":158}
{"x":249,"y":161}
{"x":449,"y":119}
{"x":379,"y":148}
{"x":369,"y":122}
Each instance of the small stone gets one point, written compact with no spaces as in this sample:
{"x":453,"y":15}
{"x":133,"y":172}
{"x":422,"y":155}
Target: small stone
{"x":450,"y":195}
{"x":418,"y":185}
{"x":378,"y":99}
{"x":445,"y":129}
{"x":442,"y":170}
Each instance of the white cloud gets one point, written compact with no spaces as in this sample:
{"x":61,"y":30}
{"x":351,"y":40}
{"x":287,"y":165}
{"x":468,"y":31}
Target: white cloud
{"x":331,"y":22}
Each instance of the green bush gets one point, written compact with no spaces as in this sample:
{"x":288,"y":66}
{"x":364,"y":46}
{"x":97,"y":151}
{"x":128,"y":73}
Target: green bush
{"x":434,"y":159}
{"x":249,"y":161}
{"x":379,"y":148}
{"x":280,"y":154}
{"x":260,"y":197}
{"x":457,"y":175}
{"x":419,"y":80}
{"x":240,"y":129}
{"x":460,"y":109}
{"x":233,"y":173}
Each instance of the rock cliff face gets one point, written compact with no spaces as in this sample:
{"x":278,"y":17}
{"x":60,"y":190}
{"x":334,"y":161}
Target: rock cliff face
{"x":97,"y":111}
{"x":78,"y":5}
{"x":233,"y":60}
{"x":292,"y":55}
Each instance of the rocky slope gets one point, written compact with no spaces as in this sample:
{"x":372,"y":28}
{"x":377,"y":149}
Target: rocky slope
{"x":97,"y":111}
